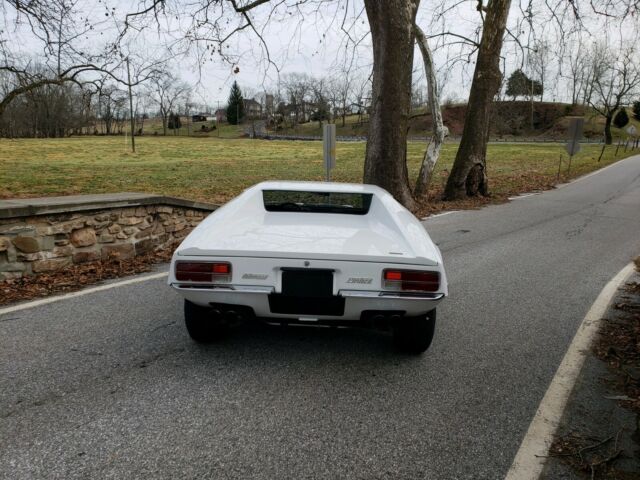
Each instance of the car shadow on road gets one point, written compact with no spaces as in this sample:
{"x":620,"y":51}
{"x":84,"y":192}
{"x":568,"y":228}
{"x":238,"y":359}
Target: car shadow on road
{"x":301,"y":342}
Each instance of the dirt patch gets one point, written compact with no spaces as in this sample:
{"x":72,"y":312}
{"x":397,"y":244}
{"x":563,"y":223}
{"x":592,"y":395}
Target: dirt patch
{"x":618,"y":345}
{"x":435,"y":204}
{"x":78,"y":276}
{"x":592,"y":456}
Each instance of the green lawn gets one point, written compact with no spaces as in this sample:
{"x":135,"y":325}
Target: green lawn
{"x":212,"y":169}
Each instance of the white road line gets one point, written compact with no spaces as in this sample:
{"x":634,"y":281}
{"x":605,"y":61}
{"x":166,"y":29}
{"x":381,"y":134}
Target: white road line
{"x":529,"y":461}
{"x":595,"y":172}
{"x":44,"y":301}
{"x":440,"y":214}
{"x":524,"y":195}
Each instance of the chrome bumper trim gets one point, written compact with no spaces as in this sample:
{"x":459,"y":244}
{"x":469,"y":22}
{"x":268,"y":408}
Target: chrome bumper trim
{"x":392,"y":295}
{"x":224,"y":288}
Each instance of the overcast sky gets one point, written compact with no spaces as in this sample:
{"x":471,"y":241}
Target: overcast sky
{"x":319,"y":42}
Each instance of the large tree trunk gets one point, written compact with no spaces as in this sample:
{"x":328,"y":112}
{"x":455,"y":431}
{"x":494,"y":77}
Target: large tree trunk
{"x":608,"y":138}
{"x":432,"y":153}
{"x":391,"y":24}
{"x":468,"y":175}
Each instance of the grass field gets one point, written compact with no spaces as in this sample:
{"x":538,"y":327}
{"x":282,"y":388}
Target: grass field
{"x":215,"y":170}
{"x":153,"y":126}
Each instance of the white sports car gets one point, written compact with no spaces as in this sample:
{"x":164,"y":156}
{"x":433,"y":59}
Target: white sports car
{"x":313,"y":253}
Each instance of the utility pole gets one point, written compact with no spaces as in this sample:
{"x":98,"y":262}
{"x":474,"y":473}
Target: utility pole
{"x":133,"y":121}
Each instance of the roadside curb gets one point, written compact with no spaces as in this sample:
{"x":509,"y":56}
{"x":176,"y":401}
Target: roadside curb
{"x":530,"y":459}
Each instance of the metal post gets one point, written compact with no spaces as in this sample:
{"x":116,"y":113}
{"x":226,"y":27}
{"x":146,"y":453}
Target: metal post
{"x":132,"y":119}
{"x":559,"y":167}
{"x":329,"y":148}
{"x":133,"y":122}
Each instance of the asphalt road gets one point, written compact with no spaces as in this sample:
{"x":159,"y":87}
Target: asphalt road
{"x":108,"y":385}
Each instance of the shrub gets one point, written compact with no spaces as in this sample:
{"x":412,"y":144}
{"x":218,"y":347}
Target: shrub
{"x":636,"y":110}
{"x":621,"y":119}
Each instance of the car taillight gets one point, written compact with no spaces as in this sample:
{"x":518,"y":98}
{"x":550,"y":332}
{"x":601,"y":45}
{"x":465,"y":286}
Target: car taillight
{"x":207,"y":272}
{"x":411,"y":280}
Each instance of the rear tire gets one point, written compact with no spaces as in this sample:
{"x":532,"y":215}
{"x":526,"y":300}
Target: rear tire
{"x":414,"y":334}
{"x":203,"y":325}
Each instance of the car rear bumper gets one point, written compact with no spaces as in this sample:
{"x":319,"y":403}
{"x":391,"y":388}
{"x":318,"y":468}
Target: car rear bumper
{"x":356,"y":302}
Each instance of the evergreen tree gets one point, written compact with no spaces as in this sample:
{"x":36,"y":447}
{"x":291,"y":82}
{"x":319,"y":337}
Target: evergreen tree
{"x":636,"y":110}
{"x":321,"y":112}
{"x":174,"y":122}
{"x":519,"y":85}
{"x":235,"y":105}
{"x":621,"y":119}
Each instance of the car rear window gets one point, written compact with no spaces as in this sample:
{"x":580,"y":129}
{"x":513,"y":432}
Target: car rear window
{"x":316,"y":202}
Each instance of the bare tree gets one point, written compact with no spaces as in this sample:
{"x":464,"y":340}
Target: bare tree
{"x":539,"y":59}
{"x":468,"y":175}
{"x":340,"y":92}
{"x":578,"y":67}
{"x":392,"y":36}
{"x":299,"y":91}
{"x":321,"y":108}
{"x":391,"y":31}
{"x":616,"y":76}
{"x":432,"y":154}
{"x":169,"y":94}
{"x":418,"y":97}
{"x":60,"y":29}
{"x":112,"y":107}
{"x":46,"y":111}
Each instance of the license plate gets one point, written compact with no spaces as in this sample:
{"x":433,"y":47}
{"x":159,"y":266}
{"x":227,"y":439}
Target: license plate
{"x":307,"y":283}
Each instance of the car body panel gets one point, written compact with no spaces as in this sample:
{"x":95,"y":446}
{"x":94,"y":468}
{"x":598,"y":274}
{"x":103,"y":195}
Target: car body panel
{"x":244,"y":228}
{"x":259,"y":244}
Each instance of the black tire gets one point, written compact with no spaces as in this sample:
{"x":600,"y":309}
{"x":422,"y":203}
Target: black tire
{"x":203,"y":325}
{"x":414,"y":334}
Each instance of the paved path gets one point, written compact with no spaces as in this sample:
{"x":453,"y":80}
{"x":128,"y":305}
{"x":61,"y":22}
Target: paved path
{"x":108,"y":385}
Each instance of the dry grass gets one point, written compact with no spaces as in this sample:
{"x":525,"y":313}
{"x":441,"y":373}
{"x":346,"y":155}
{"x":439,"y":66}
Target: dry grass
{"x":215,"y":170}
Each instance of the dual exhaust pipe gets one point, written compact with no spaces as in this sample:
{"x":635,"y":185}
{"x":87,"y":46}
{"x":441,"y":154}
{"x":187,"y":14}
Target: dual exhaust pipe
{"x":230,"y":315}
{"x":233,"y":315}
{"x":382,"y":320}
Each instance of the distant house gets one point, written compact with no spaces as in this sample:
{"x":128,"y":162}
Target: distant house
{"x":252,"y":109}
{"x":203,"y":117}
{"x":221,"y":115}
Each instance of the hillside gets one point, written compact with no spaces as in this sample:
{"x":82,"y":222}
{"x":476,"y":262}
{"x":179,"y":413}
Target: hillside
{"x":510,"y":120}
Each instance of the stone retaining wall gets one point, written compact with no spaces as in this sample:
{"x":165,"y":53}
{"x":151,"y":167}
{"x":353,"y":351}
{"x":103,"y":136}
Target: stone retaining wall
{"x":45,"y":243}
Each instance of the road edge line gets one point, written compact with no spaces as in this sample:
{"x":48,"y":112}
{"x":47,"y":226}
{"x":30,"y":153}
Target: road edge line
{"x":442,"y":214}
{"x":531,"y":457}
{"x":595,"y":172}
{"x":79,"y":293}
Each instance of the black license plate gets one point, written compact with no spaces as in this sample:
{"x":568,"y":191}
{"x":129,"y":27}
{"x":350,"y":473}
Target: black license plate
{"x":307,"y":283}
{"x":307,"y":292}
